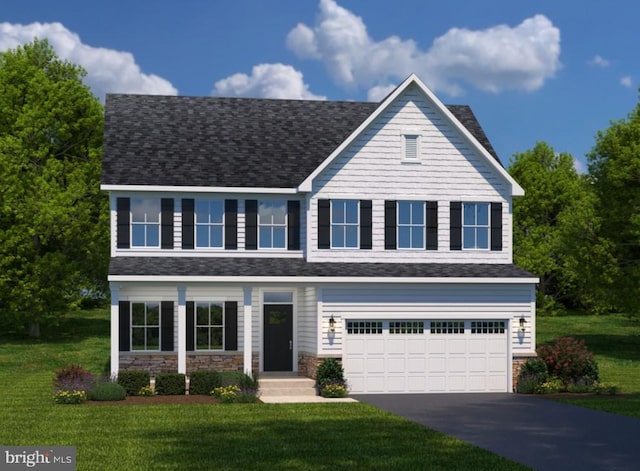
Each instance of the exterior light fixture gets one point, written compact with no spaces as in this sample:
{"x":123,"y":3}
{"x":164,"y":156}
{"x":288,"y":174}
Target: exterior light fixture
{"x":522,"y":324}
{"x":332,"y":324}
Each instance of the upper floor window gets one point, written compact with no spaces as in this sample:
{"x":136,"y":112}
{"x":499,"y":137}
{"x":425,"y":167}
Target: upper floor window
{"x":411,"y":224}
{"x":475,"y":226}
{"x":209,"y":222}
{"x":145,"y":222}
{"x":345,"y":222}
{"x":272,"y":224}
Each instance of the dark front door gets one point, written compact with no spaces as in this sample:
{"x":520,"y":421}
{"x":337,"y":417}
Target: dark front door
{"x":278,"y":337}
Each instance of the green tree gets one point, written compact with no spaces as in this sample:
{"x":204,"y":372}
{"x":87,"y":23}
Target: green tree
{"x":551,"y":225}
{"x":53,"y":218}
{"x":614,"y":167}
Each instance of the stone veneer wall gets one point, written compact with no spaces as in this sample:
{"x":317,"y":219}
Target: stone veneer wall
{"x":518,"y":361}
{"x":308,"y":363}
{"x":168,"y":362}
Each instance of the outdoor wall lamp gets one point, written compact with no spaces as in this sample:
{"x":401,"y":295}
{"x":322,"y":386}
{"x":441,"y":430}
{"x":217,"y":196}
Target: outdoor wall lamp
{"x":332,"y":324}
{"x":522,"y":323}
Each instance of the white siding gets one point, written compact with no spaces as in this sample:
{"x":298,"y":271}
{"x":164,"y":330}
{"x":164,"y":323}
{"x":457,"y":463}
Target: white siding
{"x":435,"y":302}
{"x":448,"y":169}
{"x":307,"y":328}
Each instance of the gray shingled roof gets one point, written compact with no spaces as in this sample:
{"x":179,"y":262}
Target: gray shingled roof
{"x":289,"y":267}
{"x":230,"y":142}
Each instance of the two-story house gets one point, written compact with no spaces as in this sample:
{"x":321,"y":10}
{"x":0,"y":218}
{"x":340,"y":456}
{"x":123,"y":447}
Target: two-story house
{"x":266,"y":235}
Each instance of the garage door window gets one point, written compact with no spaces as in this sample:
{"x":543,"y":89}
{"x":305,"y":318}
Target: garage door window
{"x":406,"y":327}
{"x":447,"y":327}
{"x":487,"y":327}
{"x":364,"y":327}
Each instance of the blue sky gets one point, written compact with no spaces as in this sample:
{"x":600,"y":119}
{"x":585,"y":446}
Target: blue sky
{"x":532,"y":71}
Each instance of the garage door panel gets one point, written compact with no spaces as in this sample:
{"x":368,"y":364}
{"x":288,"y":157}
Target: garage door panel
{"x":396,"y":346}
{"x":456,"y":364}
{"x":456,"y":346}
{"x":396,"y":365}
{"x":445,"y":359}
{"x":416,"y":346}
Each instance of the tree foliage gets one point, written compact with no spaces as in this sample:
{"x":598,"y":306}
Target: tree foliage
{"x":551,"y":224}
{"x":614,"y":167}
{"x":54,"y":237}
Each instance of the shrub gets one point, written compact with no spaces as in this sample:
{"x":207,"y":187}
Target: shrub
{"x":329,"y":372}
{"x":73,"y":378}
{"x":569,"y":360}
{"x":233,"y":393}
{"x":69,"y":397}
{"x":203,"y":382}
{"x":133,"y":381}
{"x":532,"y":374}
{"x":108,"y":391}
{"x":170,"y":384}
{"x":146,"y":391}
{"x":551,"y":386}
{"x":334,"y":390}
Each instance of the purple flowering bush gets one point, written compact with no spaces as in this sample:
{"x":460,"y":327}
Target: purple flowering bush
{"x":72,"y":384}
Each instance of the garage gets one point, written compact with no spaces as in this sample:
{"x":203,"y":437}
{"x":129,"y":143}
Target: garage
{"x":426,"y":355}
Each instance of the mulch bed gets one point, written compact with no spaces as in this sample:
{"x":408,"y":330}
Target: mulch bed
{"x":153,"y":400}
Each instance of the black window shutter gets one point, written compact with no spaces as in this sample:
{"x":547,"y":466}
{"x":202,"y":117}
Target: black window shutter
{"x":390,"y":227}
{"x":166,"y":333}
{"x":496,"y":226}
{"x":187,"y":224}
{"x":324,"y":224}
{"x":231,"y":325}
{"x":166,"y":218}
{"x":124,"y":316}
{"x":191,"y":311}
{"x":251,"y":225}
{"x":432,"y":225}
{"x":293,"y":228}
{"x":455,"y":228}
{"x":366,"y":225}
{"x":230,"y":224}
{"x":123,"y":207}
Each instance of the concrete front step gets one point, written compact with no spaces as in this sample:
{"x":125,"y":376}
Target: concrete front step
{"x":287,"y":387}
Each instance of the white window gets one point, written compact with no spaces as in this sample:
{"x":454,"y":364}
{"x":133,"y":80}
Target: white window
{"x":406,"y":327}
{"x":345,"y":224}
{"x":209,"y":325}
{"x":364,"y":327}
{"x":487,"y":327}
{"x":272,"y":224}
{"x":209,"y":219}
{"x":145,"y":326}
{"x":411,"y":225}
{"x":475,"y":226}
{"x":411,"y":146}
{"x":145,"y":222}
{"x":447,"y":327}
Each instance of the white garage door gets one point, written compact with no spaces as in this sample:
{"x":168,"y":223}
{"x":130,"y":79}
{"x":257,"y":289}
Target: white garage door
{"x":416,"y":356}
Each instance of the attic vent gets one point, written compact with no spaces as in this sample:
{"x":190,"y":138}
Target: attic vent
{"x":411,"y":146}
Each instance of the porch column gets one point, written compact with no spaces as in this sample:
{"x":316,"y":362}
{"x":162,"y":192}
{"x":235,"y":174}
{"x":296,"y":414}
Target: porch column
{"x":248,"y":347}
{"x":115,"y":329}
{"x":182,"y":329}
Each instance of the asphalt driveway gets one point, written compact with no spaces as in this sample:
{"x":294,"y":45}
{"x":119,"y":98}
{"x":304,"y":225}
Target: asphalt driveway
{"x":536,"y":432}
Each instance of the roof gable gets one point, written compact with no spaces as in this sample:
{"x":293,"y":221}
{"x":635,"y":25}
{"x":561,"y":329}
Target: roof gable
{"x":465,"y":124}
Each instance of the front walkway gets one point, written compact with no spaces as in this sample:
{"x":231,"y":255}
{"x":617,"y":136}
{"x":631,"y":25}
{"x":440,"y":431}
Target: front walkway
{"x":536,"y":432}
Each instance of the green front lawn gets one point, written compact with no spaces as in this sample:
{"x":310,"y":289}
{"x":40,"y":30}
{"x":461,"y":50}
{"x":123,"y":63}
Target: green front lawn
{"x":204,"y":437}
{"x":615,"y":341}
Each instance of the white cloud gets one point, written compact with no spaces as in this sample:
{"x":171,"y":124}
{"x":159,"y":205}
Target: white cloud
{"x":493,"y":59}
{"x":626,"y":81}
{"x":379,"y":92}
{"x":267,"y":81}
{"x":599,"y":61}
{"x":108,"y":70}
